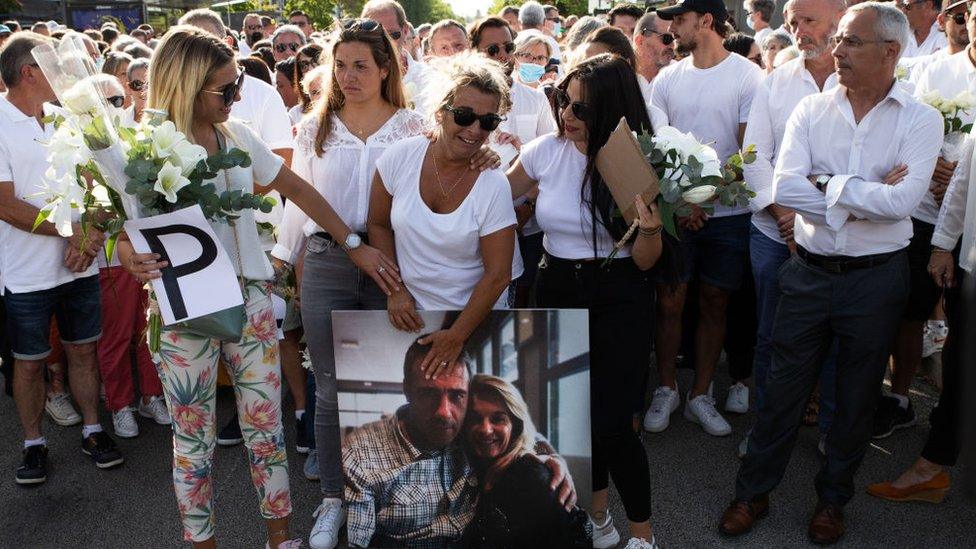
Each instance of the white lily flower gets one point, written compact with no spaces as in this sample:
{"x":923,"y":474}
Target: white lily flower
{"x":699,"y":194}
{"x":67,"y":149}
{"x":170,"y":181}
{"x":164,"y":138}
{"x":81,"y":98}
{"x":188,"y":155}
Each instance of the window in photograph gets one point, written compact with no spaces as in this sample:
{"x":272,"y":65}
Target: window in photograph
{"x":484,"y":360}
{"x":508,"y":359}
{"x":562,"y":349}
{"x":568,"y":413}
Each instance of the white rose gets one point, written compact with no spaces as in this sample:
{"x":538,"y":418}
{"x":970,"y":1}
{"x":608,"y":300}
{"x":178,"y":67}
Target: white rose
{"x":164,"y":138}
{"x":170,"y":181}
{"x":81,"y":98}
{"x":933,"y":98}
{"x":699,"y":194}
{"x":188,"y":155}
{"x":965,"y":100}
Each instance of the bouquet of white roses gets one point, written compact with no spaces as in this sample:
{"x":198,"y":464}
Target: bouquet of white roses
{"x":690,"y":174}
{"x":953,"y":127}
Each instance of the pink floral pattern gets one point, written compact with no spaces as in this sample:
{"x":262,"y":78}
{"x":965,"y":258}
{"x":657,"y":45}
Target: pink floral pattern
{"x":188,"y":371}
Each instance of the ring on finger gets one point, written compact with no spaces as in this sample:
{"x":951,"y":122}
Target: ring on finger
{"x":381,"y":269}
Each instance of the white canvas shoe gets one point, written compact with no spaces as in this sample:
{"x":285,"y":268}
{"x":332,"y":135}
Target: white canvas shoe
{"x":330,"y":516}
{"x":155,"y":410}
{"x":124,"y":422}
{"x":663,"y":404}
{"x":701,"y":410}
{"x":58,"y":406}
{"x":738,"y":400}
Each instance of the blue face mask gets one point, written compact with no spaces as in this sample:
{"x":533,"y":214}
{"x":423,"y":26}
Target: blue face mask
{"x":99,"y":63}
{"x":530,"y":73}
{"x":750,"y":24}
{"x":557,"y":29}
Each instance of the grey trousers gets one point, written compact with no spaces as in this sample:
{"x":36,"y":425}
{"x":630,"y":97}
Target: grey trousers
{"x":330,"y":282}
{"x":861,"y":309}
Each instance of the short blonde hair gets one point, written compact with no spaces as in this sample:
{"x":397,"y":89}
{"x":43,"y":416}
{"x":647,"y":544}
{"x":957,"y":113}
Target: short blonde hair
{"x":470,"y":69}
{"x":525,"y":41}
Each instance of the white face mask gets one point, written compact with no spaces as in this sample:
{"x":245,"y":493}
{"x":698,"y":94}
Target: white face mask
{"x":750,"y":24}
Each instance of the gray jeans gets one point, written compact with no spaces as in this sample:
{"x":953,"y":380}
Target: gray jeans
{"x":330,"y":282}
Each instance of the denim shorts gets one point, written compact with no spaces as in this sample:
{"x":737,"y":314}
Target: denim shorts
{"x":76,"y":305}
{"x":718,"y":252}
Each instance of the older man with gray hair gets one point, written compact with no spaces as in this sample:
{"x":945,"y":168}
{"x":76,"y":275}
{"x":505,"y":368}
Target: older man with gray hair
{"x":532,"y":18}
{"x":286,"y":41}
{"x":848,"y":280}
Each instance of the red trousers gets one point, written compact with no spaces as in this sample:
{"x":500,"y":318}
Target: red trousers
{"x":124,"y":304}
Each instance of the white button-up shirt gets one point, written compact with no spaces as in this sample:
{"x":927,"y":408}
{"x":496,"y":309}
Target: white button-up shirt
{"x":772,"y":105}
{"x":958,"y":214}
{"x":822,"y":137}
{"x":935,"y":41}
{"x":343,"y":175}
{"x":948,"y":76}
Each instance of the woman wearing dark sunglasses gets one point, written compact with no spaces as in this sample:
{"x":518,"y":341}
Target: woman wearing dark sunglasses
{"x":576,"y":213}
{"x":195,"y":80}
{"x":451,"y":228}
{"x":137,"y":88}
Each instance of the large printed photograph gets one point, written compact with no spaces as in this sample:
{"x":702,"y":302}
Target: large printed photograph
{"x":480,"y":455}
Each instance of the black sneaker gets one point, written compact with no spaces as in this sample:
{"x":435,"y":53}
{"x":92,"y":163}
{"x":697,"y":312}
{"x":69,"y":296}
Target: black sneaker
{"x":301,"y":434}
{"x":33,"y":470}
{"x":102,"y":450}
{"x":889,"y":417}
{"x":231,"y":434}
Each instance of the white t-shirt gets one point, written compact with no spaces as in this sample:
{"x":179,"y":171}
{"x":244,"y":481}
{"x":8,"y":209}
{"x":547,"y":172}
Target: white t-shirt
{"x":439,"y":254}
{"x":710,"y":103}
{"x":30,"y":262}
{"x":262,"y":108}
{"x":558,"y":166}
{"x":264,"y":168}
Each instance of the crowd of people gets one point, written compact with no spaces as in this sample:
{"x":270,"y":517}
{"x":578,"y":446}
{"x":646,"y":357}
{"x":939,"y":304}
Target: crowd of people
{"x":451,"y":166}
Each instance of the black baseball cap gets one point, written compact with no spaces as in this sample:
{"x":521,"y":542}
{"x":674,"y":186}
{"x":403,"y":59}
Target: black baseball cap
{"x":714,"y":7}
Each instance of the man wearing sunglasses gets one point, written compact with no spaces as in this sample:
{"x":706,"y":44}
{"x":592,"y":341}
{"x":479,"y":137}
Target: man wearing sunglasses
{"x":652,"y":44}
{"x":953,"y":19}
{"x":286,"y":41}
{"x":390,"y":15}
{"x":926,"y":37}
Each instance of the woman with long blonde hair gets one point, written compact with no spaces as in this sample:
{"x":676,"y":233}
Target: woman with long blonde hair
{"x":194,"y":79}
{"x":516,"y":507}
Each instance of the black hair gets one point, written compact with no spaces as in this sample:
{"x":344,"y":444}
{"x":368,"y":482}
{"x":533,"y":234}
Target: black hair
{"x":739,"y":43}
{"x":609,"y":88}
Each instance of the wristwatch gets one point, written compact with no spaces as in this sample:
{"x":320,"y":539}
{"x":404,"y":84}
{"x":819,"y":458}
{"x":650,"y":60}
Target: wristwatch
{"x":822,"y":181}
{"x":352,"y":242}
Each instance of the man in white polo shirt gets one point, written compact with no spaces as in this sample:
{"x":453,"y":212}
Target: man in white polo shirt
{"x":708,"y":93}
{"x":44,"y":274}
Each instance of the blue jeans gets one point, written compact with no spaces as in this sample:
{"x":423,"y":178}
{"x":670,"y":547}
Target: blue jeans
{"x":76,"y":305}
{"x":767,"y":256}
{"x":330,"y":282}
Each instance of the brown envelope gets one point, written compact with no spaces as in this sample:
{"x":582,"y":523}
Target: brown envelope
{"x":625,"y":171}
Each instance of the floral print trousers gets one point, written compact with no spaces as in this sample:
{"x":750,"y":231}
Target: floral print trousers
{"x":188,"y":371}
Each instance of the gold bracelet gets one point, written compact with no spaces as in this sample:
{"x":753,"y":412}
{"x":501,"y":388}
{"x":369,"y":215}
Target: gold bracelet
{"x":649,"y":232}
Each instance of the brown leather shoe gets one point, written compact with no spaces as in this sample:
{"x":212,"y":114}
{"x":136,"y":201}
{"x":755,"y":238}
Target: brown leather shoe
{"x":932,"y":491}
{"x":827,"y":524}
{"x":742,"y":515}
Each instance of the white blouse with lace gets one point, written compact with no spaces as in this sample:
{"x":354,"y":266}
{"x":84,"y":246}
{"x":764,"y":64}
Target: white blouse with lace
{"x":342,"y":175}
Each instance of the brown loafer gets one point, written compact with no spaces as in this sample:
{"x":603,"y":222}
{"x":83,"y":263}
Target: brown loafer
{"x":827,"y":524}
{"x":932,"y":491}
{"x":742,"y":515}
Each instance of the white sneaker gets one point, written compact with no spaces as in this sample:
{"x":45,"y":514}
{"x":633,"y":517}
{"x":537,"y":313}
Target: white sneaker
{"x":663,"y":404}
{"x":605,"y":536}
{"x":738,"y":399}
{"x":933,"y":337}
{"x":330,"y":516}
{"x":701,"y":410}
{"x":58,"y":406}
{"x":640,"y":543}
{"x":155,"y":410}
{"x":125,"y":423}
{"x":288,"y":544}
{"x":743,"y":448}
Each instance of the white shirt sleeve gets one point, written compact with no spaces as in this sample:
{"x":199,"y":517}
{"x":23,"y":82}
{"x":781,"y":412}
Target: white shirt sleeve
{"x":659,"y":92}
{"x":759,"y":132}
{"x":275,"y":123}
{"x":527,"y":158}
{"x":265,"y":164}
{"x":952,"y":215}
{"x":791,"y":188}
{"x":750,"y":82}
{"x":498,"y":211}
{"x":878,"y":201}
{"x":386,"y":167}
{"x":291,"y":234}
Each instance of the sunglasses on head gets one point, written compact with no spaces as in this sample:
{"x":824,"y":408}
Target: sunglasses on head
{"x":370,"y":25}
{"x":282,"y":48}
{"x":116,"y":101}
{"x":464,"y":116}
{"x":230,"y":91}
{"x":493,"y":49}
{"x":580,"y":110}
{"x":137,"y":85}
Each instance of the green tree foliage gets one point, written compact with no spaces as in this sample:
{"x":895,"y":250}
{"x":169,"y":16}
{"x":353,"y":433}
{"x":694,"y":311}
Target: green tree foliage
{"x":10,"y":6}
{"x":566,"y":7}
{"x":418,"y":11}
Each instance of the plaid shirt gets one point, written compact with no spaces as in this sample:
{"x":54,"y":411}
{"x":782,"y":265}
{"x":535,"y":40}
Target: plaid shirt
{"x":400,"y":496}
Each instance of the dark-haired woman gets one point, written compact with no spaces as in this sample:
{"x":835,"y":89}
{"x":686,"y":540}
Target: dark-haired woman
{"x":575,"y":210}
{"x":285,"y":82}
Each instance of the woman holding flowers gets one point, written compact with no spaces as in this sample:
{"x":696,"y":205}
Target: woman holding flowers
{"x":195,"y":80}
{"x":576,"y":212}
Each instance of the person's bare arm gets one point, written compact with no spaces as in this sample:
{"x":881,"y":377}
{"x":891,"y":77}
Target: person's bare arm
{"x":22,"y":215}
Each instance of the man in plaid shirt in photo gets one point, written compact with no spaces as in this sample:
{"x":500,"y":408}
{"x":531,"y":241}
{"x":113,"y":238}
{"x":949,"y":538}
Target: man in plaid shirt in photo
{"x":408,"y":484}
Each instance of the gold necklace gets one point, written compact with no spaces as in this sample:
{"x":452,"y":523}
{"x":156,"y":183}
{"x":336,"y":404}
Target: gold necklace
{"x":437,"y":176}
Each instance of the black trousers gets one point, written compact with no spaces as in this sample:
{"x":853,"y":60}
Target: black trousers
{"x":944,"y":441}
{"x":617,"y":298}
{"x":861,"y":309}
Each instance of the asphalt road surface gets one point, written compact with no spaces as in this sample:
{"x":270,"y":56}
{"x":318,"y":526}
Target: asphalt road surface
{"x":692,"y":477}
